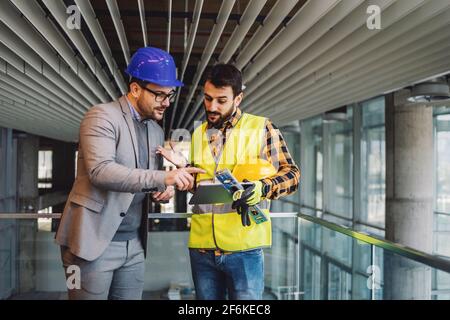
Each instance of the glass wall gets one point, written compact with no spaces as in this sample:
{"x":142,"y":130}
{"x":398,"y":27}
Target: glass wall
{"x":311,"y":164}
{"x":335,"y":266}
{"x":291,"y":135}
{"x":343,"y":161}
{"x":8,"y":155}
{"x":8,"y":241}
{"x":280,"y":263}
{"x":338,"y":166}
{"x":441,"y":245}
{"x":344,"y":180}
{"x":442,"y":181}
{"x":373,"y":163}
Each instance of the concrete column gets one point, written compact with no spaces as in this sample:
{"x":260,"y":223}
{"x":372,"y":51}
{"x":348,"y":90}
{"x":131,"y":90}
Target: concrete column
{"x":409,"y":194}
{"x":27,"y":193}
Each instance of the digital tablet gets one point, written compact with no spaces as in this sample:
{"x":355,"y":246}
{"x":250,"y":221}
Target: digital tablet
{"x":213,"y":193}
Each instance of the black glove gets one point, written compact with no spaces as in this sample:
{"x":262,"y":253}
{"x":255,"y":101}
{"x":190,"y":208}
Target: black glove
{"x":241,"y":206}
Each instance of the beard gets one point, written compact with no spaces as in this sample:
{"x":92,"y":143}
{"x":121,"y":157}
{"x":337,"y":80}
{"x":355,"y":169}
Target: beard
{"x":221,"y":119}
{"x":154,"y":113}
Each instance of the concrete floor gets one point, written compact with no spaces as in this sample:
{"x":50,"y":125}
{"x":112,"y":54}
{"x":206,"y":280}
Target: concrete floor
{"x":147,"y":295}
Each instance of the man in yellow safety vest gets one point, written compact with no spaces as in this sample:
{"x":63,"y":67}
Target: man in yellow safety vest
{"x":225,"y":247}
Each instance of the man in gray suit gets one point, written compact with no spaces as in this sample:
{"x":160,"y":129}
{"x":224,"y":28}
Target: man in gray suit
{"x":103,"y":230}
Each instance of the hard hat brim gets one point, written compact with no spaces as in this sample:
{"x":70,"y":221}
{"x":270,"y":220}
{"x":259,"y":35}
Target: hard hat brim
{"x":173,"y":83}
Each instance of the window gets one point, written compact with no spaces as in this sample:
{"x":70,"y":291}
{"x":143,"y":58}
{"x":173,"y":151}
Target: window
{"x":339,"y":283}
{"x":311,"y":163}
{"x":183,"y":149}
{"x":373,"y":162}
{"x":175,"y":224}
{"x":312,"y":275}
{"x":45,"y":168}
{"x":45,"y":224}
{"x":442,"y":182}
{"x":291,"y":202}
{"x":338,"y":166}
{"x":443,"y":163}
{"x":8,"y":160}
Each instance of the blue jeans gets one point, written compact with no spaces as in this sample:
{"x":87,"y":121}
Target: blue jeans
{"x":239,"y":274}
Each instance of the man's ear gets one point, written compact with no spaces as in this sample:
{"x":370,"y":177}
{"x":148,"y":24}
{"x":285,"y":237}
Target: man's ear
{"x":238,"y":99}
{"x":135,"y":90}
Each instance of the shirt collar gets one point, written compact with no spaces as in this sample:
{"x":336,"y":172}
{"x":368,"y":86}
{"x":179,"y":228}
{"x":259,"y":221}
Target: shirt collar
{"x":134,"y":114}
{"x":232,"y":120}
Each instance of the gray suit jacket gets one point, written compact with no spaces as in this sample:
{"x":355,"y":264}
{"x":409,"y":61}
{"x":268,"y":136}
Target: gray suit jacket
{"x":107,"y":177}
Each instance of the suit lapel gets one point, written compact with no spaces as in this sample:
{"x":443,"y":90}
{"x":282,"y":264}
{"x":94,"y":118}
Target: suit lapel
{"x":149,"y":148}
{"x":127,"y":115}
{"x":154,"y":138}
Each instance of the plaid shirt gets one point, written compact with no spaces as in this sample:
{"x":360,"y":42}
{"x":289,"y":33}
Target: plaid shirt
{"x":286,"y":180}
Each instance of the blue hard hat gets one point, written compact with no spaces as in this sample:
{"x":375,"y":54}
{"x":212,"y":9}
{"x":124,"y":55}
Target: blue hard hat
{"x":154,"y":65}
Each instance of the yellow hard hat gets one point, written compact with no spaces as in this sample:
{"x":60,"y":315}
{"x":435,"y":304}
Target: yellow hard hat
{"x":254,"y":170}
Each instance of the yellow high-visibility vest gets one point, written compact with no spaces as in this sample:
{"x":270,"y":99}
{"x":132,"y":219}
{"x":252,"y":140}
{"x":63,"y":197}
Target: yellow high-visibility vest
{"x":219,"y":226}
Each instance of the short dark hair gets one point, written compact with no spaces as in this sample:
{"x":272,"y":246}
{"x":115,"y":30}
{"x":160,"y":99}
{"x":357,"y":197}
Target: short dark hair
{"x":226,"y":75}
{"x":140,"y":82}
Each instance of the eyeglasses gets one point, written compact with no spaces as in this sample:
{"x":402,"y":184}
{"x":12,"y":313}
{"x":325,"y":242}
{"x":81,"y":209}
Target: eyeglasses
{"x":161,"y":96}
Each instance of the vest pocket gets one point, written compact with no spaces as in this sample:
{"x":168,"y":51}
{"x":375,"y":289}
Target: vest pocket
{"x":230,"y":235}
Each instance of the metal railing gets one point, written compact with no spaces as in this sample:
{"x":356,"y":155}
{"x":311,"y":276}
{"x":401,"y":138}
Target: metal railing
{"x":410,"y":253}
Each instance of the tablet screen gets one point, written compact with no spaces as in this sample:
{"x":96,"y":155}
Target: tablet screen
{"x":213,"y":193}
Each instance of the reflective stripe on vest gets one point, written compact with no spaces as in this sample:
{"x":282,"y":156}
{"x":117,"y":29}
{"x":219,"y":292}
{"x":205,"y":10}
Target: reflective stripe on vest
{"x":223,"y":207}
{"x":218,"y":225}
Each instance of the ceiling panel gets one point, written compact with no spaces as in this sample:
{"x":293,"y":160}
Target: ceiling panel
{"x":299,"y":58}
